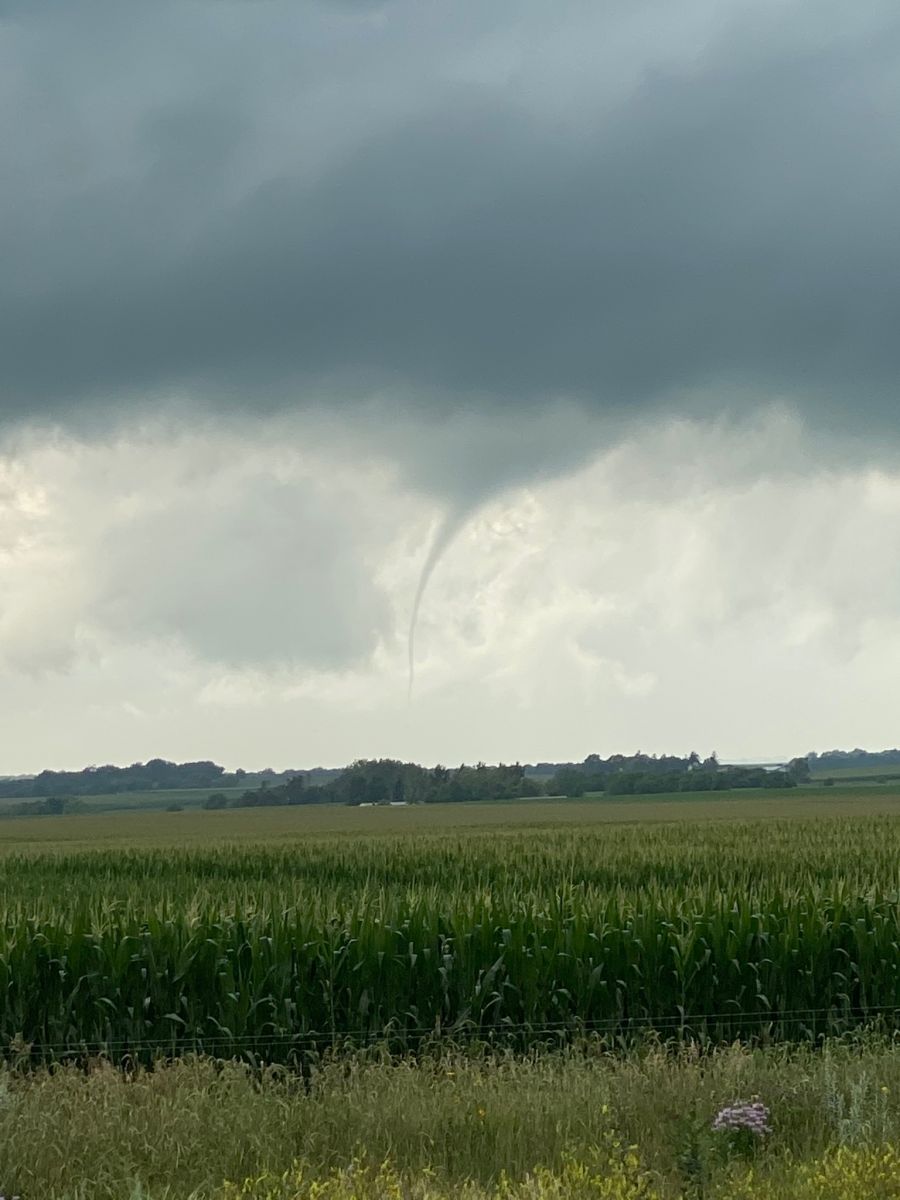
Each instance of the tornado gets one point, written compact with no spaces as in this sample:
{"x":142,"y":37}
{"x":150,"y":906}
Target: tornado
{"x":447,"y":529}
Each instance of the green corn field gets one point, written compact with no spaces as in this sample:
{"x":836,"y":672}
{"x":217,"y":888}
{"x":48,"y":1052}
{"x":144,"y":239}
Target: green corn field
{"x":778,"y":929}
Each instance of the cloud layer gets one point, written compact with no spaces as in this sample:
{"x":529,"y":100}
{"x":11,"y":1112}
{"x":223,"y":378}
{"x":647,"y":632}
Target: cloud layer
{"x":490,"y":206}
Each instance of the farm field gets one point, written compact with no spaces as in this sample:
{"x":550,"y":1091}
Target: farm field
{"x":276,"y":931}
{"x":529,"y":987}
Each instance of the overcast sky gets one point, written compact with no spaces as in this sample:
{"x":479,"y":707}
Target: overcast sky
{"x":577,"y":320}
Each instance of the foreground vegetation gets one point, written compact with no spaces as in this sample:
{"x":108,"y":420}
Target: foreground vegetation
{"x":570,"y":1124}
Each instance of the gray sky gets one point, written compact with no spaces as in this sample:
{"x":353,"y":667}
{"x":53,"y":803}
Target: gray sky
{"x":607,"y":292}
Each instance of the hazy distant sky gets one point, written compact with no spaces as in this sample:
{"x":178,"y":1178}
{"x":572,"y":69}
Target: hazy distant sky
{"x":604,"y":296}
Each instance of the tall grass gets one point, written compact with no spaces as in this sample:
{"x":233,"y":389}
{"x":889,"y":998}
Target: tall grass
{"x":180,"y":1130}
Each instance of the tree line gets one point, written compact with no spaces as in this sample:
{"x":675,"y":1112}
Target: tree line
{"x":158,"y":774}
{"x":642,"y":774}
{"x":389,"y":781}
{"x":831,"y":759}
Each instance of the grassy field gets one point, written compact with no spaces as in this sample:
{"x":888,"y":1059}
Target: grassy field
{"x":151,"y":801}
{"x":456,"y":992}
{"x":857,"y":774}
{"x":195,"y":827}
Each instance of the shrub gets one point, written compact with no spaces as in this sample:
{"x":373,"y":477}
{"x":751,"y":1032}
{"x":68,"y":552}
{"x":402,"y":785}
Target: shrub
{"x":848,"y":1173}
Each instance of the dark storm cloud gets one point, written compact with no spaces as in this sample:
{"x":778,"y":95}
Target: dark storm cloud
{"x":356,"y":213}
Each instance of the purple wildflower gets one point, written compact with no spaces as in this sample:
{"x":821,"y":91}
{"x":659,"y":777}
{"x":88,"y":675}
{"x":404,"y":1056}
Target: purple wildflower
{"x":752,"y":1116}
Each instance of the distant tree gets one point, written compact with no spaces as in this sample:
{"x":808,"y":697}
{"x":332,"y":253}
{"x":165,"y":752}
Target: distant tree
{"x":531,"y":788}
{"x":293,"y":789}
{"x":568,"y":782}
{"x":798,"y":769}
